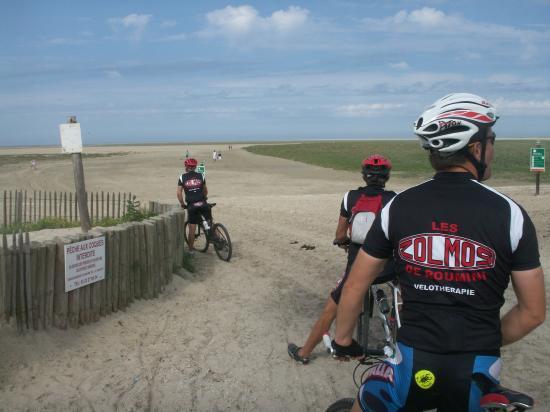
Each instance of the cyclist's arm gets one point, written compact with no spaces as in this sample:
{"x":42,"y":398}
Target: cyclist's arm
{"x":179,"y":194}
{"x":205,"y":190}
{"x":530,"y":310}
{"x":363,"y":272}
{"x":341,"y":228}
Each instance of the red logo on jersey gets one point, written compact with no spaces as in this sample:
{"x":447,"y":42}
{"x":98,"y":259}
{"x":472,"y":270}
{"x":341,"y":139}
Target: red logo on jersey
{"x":193,"y":183}
{"x":446,"y":252}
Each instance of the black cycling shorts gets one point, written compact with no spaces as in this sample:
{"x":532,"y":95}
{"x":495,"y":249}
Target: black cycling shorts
{"x":416,"y":380}
{"x":387,"y":275}
{"x":194,"y":211}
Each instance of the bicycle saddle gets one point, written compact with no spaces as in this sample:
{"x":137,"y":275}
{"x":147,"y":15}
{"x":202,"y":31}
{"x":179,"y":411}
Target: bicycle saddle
{"x":497,"y":396}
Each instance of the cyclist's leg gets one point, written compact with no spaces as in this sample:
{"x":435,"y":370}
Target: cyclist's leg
{"x":193,"y":217}
{"x":387,"y":384}
{"x":319,"y":328}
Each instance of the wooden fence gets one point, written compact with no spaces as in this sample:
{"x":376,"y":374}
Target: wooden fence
{"x":22,"y":206}
{"x":140,"y":258}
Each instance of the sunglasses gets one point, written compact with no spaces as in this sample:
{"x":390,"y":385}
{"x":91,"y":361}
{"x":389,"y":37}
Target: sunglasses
{"x":492,"y":137}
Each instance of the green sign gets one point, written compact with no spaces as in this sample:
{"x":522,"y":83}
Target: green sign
{"x":201,"y":169}
{"x":537,"y":159}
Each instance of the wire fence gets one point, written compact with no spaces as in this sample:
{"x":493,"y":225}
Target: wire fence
{"x":18,"y":207}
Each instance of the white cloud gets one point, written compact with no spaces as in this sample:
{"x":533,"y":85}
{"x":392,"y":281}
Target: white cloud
{"x":365,"y":109}
{"x":400,"y":65}
{"x":173,"y":37}
{"x":168,"y":24}
{"x":242,"y":20}
{"x":113,"y":74}
{"x":134,"y":24}
{"x":534,"y":107}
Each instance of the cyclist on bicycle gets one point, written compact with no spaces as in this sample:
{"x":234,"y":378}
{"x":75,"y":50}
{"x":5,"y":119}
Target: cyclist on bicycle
{"x":196,"y":192}
{"x":457,"y":243}
{"x":357,"y":212}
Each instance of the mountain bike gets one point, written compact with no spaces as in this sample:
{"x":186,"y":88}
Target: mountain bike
{"x":207,"y":233}
{"x":387,"y":311}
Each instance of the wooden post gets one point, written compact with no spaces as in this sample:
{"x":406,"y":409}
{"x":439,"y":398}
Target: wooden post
{"x":149,"y":246}
{"x":21,"y":296}
{"x":4,"y":313}
{"x":60,"y":298}
{"x":96,"y":206}
{"x":28,"y":280}
{"x":14,"y":279}
{"x":92,"y":206}
{"x":118,"y":209}
{"x":49,"y":283}
{"x":34,"y":207}
{"x":141,"y":261}
{"x":108,"y":215}
{"x":70,"y":206}
{"x":113,"y":204}
{"x":40,"y":276}
{"x":73,"y":298}
{"x":37,"y":286}
{"x":123,"y":268}
{"x":102,"y":204}
{"x":108,"y":304}
{"x":24,"y":217}
{"x":131,"y":266}
{"x":5,"y":208}
{"x":116,"y":269}
{"x":75,"y":206}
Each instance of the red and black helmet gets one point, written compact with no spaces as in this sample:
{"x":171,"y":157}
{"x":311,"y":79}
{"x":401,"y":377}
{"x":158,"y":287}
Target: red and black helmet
{"x":377,"y":164}
{"x":190,"y":163}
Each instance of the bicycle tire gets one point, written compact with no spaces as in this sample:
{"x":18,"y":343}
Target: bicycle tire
{"x":341,"y":405}
{"x":364,"y":321}
{"x":222,"y":242}
{"x":201,"y":239}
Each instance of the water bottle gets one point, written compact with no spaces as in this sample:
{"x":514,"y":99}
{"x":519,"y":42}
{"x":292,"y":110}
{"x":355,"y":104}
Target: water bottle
{"x":328,"y":343}
{"x":205,"y":225}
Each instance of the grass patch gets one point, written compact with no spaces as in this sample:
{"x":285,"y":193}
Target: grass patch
{"x":409,"y":160}
{"x":133,"y":214}
{"x":7,"y":159}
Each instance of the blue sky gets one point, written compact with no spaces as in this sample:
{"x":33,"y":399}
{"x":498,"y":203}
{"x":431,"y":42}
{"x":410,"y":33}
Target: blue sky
{"x":152,"y":71}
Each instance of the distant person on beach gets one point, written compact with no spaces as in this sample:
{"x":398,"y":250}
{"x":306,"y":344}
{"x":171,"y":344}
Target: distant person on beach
{"x":33,"y":164}
{"x":357,"y":212}
{"x":214,"y":155}
{"x":193,"y":184}
{"x":219,"y":155}
{"x":187,"y":154}
{"x":457,"y":244}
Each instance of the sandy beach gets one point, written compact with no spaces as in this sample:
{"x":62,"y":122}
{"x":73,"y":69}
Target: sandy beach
{"x":216,"y":339}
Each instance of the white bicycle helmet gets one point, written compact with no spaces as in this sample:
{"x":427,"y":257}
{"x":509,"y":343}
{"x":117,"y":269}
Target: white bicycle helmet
{"x":455,"y":121}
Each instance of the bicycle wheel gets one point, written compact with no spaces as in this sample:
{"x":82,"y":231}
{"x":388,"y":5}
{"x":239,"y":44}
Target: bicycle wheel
{"x":341,"y":405}
{"x":222,"y":242}
{"x":201,"y":240}
{"x":364,"y":321}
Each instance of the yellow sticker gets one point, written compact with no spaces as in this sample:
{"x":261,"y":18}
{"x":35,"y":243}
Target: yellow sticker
{"x":424,"y":378}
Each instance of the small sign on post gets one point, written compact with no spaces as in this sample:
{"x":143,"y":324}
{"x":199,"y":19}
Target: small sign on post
{"x":71,"y":142}
{"x":202,"y":169}
{"x":537,"y":164}
{"x":84,"y":263}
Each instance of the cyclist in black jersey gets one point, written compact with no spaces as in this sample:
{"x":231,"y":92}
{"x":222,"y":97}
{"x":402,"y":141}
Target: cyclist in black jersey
{"x":457,"y":244}
{"x":357,"y":212}
{"x":193,"y":185}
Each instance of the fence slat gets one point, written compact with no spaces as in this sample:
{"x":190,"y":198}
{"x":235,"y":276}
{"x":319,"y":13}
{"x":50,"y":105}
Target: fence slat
{"x":123,"y":268}
{"x":60,"y":299}
{"x":118,"y":209}
{"x":28,"y":280}
{"x":116,"y":269}
{"x":73,"y":298}
{"x":34,"y":290}
{"x":49,"y":283}
{"x":4,"y":287}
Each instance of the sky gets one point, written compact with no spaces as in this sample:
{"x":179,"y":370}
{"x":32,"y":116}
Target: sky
{"x":174,"y":71}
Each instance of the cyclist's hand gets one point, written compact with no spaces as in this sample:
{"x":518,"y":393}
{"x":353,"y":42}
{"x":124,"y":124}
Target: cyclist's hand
{"x":183,"y":206}
{"x":342,"y":243}
{"x":353,"y":350}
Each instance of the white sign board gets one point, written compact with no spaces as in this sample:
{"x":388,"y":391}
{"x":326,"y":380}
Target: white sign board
{"x":71,"y":138}
{"x":84,"y":263}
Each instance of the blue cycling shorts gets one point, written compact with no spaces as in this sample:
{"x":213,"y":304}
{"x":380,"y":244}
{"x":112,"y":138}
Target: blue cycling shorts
{"x":415,"y":380}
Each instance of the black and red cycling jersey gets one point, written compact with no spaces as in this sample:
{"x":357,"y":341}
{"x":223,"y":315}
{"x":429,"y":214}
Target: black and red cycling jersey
{"x":193,"y":184}
{"x":347,"y":206}
{"x":455,"y":242}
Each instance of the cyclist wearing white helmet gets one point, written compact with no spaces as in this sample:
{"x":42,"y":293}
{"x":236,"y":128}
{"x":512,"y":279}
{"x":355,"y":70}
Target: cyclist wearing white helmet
{"x":457,"y":243}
